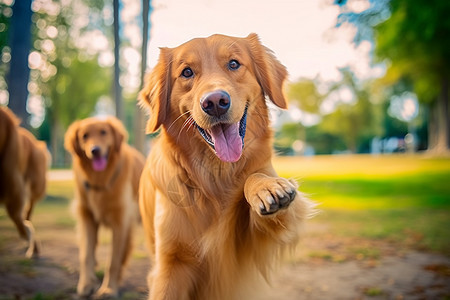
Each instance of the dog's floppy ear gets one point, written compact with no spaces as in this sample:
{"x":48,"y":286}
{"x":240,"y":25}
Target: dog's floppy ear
{"x":156,"y":92}
{"x":71,"y":142}
{"x":270,"y":73}
{"x":119,"y":132}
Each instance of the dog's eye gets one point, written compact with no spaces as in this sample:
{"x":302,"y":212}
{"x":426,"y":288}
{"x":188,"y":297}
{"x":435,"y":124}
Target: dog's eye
{"x":103,"y":132}
{"x":187,"y":73}
{"x":85,"y":136}
{"x":233,"y":64}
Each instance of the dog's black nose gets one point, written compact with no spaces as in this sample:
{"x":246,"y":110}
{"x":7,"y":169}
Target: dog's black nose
{"x":216,"y":103}
{"x":96,"y":151}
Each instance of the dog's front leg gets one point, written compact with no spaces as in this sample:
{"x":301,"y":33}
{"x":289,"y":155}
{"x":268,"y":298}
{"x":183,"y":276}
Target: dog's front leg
{"x":171,"y":279}
{"x":121,"y":248}
{"x":174,"y":274}
{"x":88,"y":228}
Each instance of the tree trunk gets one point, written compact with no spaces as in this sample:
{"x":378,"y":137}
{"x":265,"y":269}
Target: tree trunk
{"x":439,"y":123}
{"x":139,"y":126}
{"x":117,"y":87}
{"x":19,"y":72}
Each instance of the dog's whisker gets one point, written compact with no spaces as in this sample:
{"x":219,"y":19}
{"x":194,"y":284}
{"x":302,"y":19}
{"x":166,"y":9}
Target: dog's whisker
{"x":188,"y":122}
{"x":191,"y":124}
{"x":173,"y":123}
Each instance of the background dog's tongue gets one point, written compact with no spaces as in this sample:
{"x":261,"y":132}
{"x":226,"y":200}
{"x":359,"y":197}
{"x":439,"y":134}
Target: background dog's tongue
{"x":227,"y":142}
{"x":99,"y":164}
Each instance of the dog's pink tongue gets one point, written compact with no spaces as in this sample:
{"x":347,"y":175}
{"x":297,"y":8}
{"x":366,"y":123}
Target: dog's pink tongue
{"x":227,"y":142}
{"x":99,"y":164}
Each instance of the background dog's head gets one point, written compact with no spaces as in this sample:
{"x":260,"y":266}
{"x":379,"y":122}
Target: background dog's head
{"x":96,"y":140}
{"x":214,"y":85}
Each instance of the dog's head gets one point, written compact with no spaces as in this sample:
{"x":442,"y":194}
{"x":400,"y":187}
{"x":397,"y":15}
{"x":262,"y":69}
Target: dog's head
{"x":213,"y":85}
{"x":95,"y":140}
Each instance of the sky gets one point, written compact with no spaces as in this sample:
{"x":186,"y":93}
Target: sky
{"x":301,"y":33}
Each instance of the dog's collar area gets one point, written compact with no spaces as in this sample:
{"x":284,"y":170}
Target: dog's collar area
{"x":242,"y":129}
{"x":94,"y":187}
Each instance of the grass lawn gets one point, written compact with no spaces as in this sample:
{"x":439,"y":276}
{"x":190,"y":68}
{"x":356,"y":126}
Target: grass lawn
{"x":404,"y":199}
{"x":371,"y":207}
{"x":400,"y":198}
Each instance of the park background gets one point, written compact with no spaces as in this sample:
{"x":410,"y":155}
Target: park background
{"x":366,"y":134}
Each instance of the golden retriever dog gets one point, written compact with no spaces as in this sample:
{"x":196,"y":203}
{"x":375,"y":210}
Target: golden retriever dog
{"x":107,"y":172}
{"x":23,"y":167}
{"x":216,"y":214}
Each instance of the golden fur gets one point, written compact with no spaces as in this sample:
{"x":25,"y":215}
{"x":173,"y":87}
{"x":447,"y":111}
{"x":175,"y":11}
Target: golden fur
{"x":107,"y":181}
{"x":213,"y":227}
{"x":23,"y":167}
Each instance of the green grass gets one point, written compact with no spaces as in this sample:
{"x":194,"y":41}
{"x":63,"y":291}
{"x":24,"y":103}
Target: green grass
{"x":402,"y":199}
{"x":373,"y":292}
{"x":399,"y":199}
{"x":61,"y":189}
{"x":426,"y":190}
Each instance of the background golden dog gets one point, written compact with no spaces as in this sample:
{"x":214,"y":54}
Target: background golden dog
{"x":23,"y":166}
{"x":107,"y":172}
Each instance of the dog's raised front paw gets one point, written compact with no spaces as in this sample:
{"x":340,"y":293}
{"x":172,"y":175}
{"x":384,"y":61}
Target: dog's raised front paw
{"x":269,"y":195}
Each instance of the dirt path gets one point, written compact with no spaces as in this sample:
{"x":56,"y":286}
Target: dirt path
{"x":413,"y":276}
{"x":394,"y":274}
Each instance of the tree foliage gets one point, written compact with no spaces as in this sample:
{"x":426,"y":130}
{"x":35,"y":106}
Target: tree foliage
{"x":350,"y":119}
{"x":66,"y":75}
{"x":305,"y":93}
{"x":413,"y":40}
{"x":5,"y":15}
{"x":355,"y":119}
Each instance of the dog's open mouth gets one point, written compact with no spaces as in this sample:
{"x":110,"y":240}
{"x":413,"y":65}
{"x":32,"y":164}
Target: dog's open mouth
{"x":226,"y":139}
{"x":99,"y":163}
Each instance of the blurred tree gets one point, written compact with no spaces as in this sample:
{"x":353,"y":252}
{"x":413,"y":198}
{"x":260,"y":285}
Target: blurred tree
{"x":139,"y":125}
{"x":304,"y":92}
{"x":5,"y":50}
{"x":349,"y":118}
{"x":365,"y":20}
{"x":287,"y":135}
{"x":117,"y":87}
{"x":5,"y":16}
{"x":71,"y":100}
{"x":65,"y":72}
{"x":415,"y":41}
{"x":324,"y":142}
{"x":354,"y":119}
{"x":19,"y":72}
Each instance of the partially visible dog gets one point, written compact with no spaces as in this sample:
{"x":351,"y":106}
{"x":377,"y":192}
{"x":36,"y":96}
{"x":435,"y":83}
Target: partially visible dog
{"x":215,"y":212}
{"x":23,"y":167}
{"x":107,"y":172}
